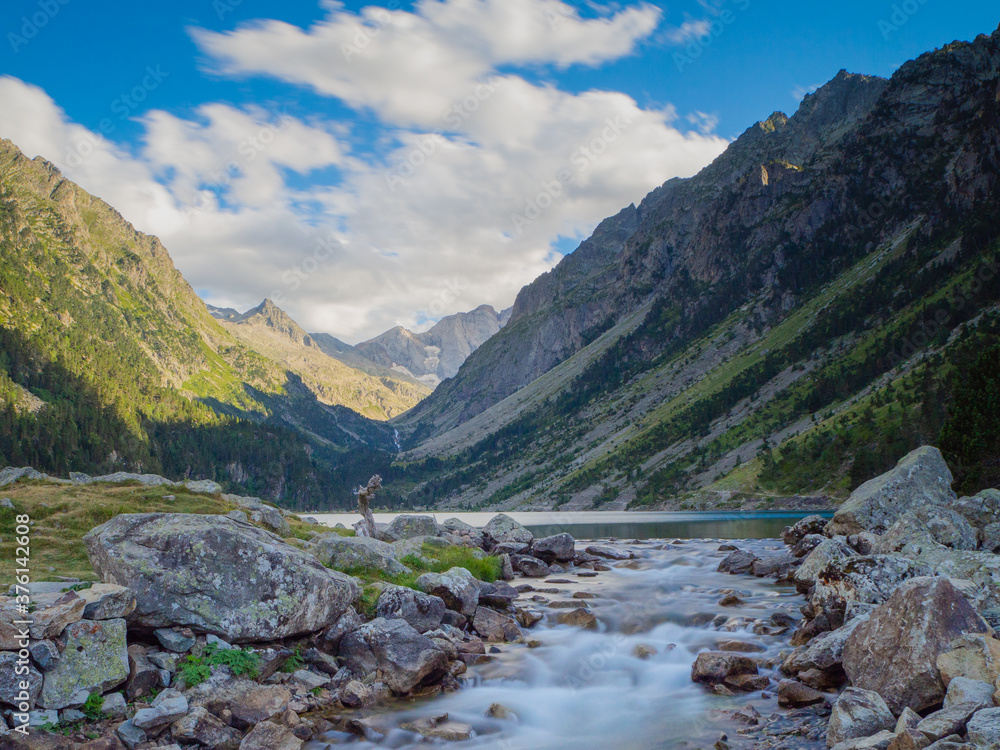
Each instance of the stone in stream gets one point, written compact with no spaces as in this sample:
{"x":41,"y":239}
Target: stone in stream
{"x":529,"y":566}
{"x":580,"y":618}
{"x":792,"y":535}
{"x":217,"y":576}
{"x":895,"y":651}
{"x":878,"y":741}
{"x":402,"y":656}
{"x":559,"y":547}
{"x":94,"y":660}
{"x":423,"y":611}
{"x":495,"y":627}
{"x":457,"y":587}
{"x":717,"y":667}
{"x":739,"y":562}
{"x":920,"y":478}
{"x":610,"y":553}
{"x":858,"y":713}
{"x":794,"y":694}
{"x":498,"y":594}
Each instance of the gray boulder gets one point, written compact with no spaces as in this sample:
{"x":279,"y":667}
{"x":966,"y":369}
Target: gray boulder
{"x":94,"y":660}
{"x":11,"y":692}
{"x":981,"y":510}
{"x":738,"y":562}
{"x":174,"y":640}
{"x":895,"y":651}
{"x":143,"y":677}
{"x":989,"y":538}
{"x":217,"y":576}
{"x":408,"y":527}
{"x":794,"y":534}
{"x":949,"y":721}
{"x":984,"y":728}
{"x":203,"y":728}
{"x":329,"y":640}
{"x":529,"y":566}
{"x":457,"y":587}
{"x":270,"y":736}
{"x":470,"y":535}
{"x":974,"y":656}
{"x":825,"y":553}
{"x":106,"y":601}
{"x":45,"y":654}
{"x":858,"y":713}
{"x":920,"y":478}
{"x":358,"y":552}
{"x":503,"y":528}
{"x":248,"y":702}
{"x":825,"y":652}
{"x":166,"y":708}
{"x":398,"y":655}
{"x":929,"y":525}
{"x":555,"y":548}
{"x":868,"y":580}
{"x":495,"y":627}
{"x":53,"y":612}
{"x":965,"y":690}
{"x":423,"y":611}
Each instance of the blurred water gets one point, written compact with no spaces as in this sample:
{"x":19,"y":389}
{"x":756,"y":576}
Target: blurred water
{"x":587,"y":690}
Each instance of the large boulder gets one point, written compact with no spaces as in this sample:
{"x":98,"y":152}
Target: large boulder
{"x":895,"y":651}
{"x":349,"y":553}
{"x":792,"y":535}
{"x":984,"y":728}
{"x":423,"y":611}
{"x":216,"y":575}
{"x":52,"y":612}
{"x":950,"y":720}
{"x":976,"y":657}
{"x":555,"y":548}
{"x":738,"y":562}
{"x":408,"y":527}
{"x":867,"y":580}
{"x":457,"y":587}
{"x":469,"y":534}
{"x":858,"y":713}
{"x":825,"y":553}
{"x":825,"y":652}
{"x":929,"y":525}
{"x":94,"y":660}
{"x":966,"y":690}
{"x":399,"y":655}
{"x":981,"y":510}
{"x":920,"y":478}
{"x":722,"y":668}
{"x":503,"y":528}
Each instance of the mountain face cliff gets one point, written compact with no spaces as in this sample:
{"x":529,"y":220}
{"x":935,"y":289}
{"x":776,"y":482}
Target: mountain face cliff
{"x":436,"y":354}
{"x":825,"y":285}
{"x":109,"y":360}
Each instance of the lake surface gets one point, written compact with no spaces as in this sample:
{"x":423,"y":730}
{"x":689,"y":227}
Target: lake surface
{"x":619,"y":524}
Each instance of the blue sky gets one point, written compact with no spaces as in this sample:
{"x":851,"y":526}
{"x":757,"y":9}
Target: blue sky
{"x":311,"y":200}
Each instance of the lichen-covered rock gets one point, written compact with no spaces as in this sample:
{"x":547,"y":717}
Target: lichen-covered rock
{"x":826,"y":553}
{"x":895,"y":651}
{"x":929,"y":525}
{"x":860,"y":580}
{"x":555,"y":548}
{"x":495,"y":627}
{"x":53,"y":612}
{"x":248,"y":702}
{"x":920,"y":478}
{"x":205,"y":729}
{"x":260,"y":513}
{"x":106,"y":601}
{"x":270,"y":736}
{"x":358,"y":552}
{"x":989,"y":538}
{"x":408,"y":527}
{"x":858,"y":713}
{"x":825,"y":652}
{"x":11,"y":693}
{"x":457,"y":587}
{"x":94,"y":660}
{"x":792,"y":535}
{"x":422,"y":611}
{"x":469,"y":534}
{"x":398,"y":654}
{"x":217,"y":576}
{"x":329,"y":640}
{"x":166,"y":708}
{"x":503,"y":528}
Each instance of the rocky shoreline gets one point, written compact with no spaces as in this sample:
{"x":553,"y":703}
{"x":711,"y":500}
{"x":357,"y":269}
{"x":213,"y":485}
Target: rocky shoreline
{"x":214,"y":631}
{"x":898,"y":648}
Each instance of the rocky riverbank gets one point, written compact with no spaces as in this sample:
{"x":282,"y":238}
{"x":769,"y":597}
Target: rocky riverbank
{"x":215,"y":631}
{"x":898,"y":646}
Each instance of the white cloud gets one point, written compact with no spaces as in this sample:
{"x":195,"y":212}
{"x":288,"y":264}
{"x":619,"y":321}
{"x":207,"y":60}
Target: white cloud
{"x":476,"y":175}
{"x":690,"y":31}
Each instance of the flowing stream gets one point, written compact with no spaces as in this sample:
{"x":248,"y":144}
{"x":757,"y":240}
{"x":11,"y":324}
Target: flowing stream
{"x":590,"y":690}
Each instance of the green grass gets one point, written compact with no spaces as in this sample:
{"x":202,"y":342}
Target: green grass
{"x":435,"y":560}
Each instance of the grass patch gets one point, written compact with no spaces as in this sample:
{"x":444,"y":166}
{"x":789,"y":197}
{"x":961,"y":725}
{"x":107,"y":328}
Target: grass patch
{"x":62,"y":514}
{"x":433,"y":560}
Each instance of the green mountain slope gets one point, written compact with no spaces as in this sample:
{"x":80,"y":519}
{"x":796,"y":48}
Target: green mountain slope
{"x":790,"y":321}
{"x":110,"y":361}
